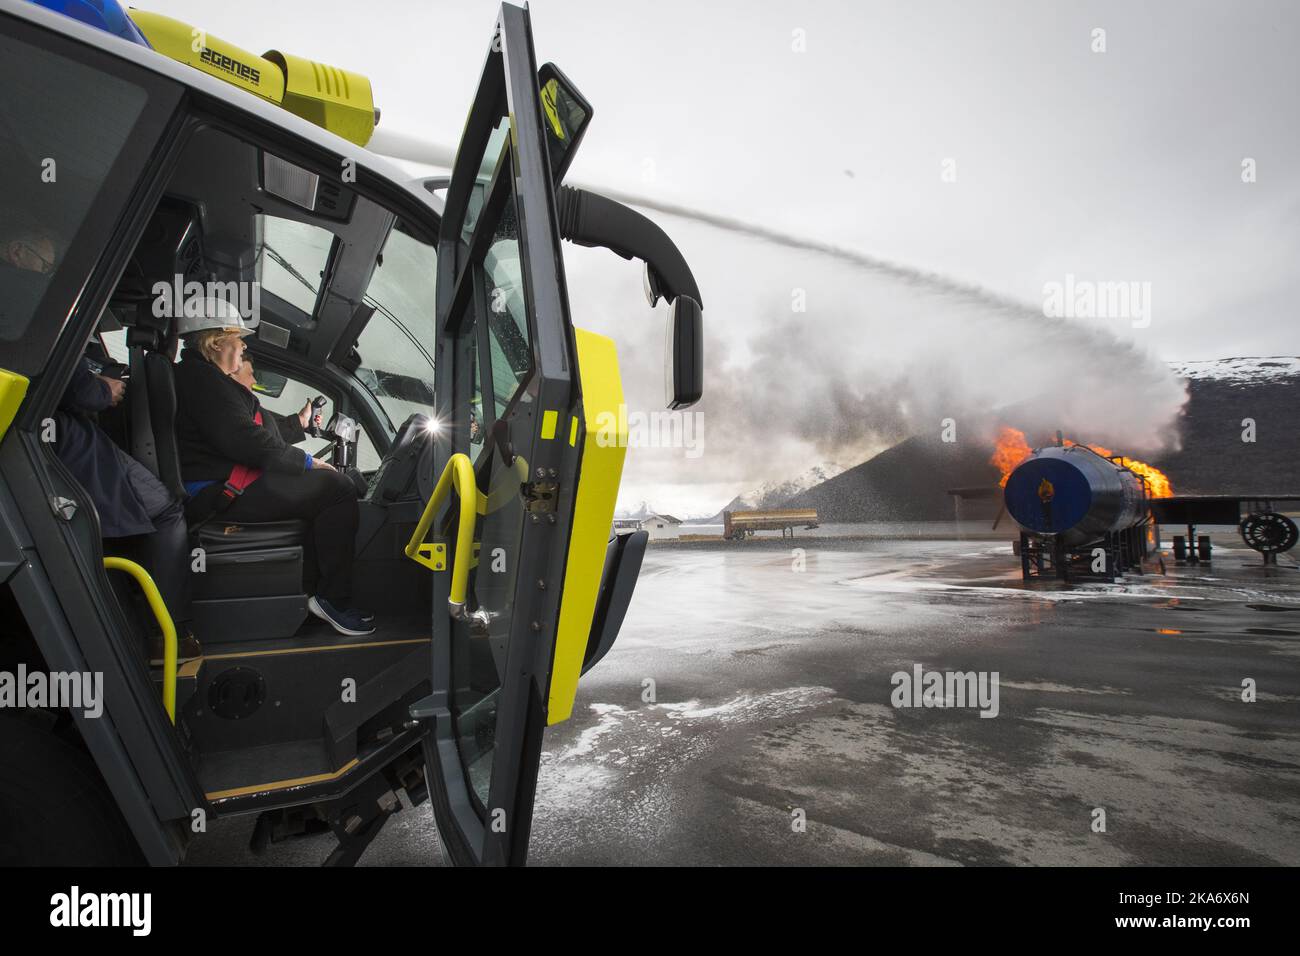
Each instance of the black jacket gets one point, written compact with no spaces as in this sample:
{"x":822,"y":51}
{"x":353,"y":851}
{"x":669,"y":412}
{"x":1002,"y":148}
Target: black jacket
{"x":99,"y":466}
{"x":289,"y":426}
{"x":215,"y":427}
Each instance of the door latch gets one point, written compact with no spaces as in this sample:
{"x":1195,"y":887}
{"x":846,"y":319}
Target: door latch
{"x":64,"y":508}
{"x":541,"y":496}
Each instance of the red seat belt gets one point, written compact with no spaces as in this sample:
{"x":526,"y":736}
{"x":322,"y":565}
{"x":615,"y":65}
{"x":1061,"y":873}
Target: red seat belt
{"x":241,"y":476}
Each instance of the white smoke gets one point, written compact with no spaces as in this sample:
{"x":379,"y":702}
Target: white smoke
{"x":878,"y":353}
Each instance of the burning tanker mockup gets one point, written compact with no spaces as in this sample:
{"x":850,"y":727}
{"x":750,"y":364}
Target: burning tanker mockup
{"x":1074,"y":492}
{"x":1083,"y":511}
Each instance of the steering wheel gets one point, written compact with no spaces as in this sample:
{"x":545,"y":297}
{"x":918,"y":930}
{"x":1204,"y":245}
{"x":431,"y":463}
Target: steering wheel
{"x":413,"y":431}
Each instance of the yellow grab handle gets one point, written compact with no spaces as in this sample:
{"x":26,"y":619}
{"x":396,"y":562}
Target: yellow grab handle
{"x":458,"y":473}
{"x":159,"y":608}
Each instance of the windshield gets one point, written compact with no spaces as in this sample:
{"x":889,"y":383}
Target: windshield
{"x":396,"y":361}
{"x":291,"y":259}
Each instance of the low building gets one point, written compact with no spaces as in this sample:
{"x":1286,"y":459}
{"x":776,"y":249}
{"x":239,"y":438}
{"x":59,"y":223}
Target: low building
{"x":662,"y":526}
{"x":659,"y":527}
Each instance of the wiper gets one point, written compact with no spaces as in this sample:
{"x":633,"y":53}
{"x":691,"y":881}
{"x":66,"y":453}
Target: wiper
{"x":401,"y":326}
{"x":287,"y":266}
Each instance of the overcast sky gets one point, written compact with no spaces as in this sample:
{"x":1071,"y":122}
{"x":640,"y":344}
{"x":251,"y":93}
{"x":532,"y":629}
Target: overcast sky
{"x":1123,"y":165}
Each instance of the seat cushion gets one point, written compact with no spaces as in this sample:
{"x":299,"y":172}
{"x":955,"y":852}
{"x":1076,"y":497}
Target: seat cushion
{"x":218,"y":536}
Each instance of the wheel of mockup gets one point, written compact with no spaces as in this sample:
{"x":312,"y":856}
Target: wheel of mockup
{"x":1269,"y":532}
{"x":54,"y":807}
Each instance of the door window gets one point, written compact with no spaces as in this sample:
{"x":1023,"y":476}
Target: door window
{"x":479,"y":653}
{"x":71,"y":147}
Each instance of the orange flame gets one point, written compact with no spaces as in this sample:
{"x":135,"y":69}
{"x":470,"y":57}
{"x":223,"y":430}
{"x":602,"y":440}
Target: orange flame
{"x":1012,"y":448}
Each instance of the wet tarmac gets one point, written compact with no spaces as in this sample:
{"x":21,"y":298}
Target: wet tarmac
{"x":745,"y":717}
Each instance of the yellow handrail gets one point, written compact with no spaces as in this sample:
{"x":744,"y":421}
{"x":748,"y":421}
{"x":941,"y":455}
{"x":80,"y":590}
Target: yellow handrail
{"x":458,"y":473}
{"x":159,"y":608}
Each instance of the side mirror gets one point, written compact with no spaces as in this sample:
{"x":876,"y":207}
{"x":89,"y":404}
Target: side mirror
{"x":592,"y":220}
{"x":566,"y":114}
{"x":684,"y":353}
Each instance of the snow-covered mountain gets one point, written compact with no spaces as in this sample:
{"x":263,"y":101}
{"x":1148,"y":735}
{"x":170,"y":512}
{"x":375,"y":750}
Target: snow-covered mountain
{"x":1218,"y":455}
{"x":643,"y":510}
{"x":775,"y":493}
{"x":1247,"y":370}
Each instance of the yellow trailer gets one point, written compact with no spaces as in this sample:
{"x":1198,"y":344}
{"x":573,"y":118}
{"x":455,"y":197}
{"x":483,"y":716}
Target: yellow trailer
{"x":738,"y":525}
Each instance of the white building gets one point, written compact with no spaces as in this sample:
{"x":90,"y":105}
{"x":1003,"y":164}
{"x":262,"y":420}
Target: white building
{"x":662,"y":526}
{"x":659,"y":527}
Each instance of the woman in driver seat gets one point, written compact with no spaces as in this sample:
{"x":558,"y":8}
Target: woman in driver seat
{"x":235,"y":466}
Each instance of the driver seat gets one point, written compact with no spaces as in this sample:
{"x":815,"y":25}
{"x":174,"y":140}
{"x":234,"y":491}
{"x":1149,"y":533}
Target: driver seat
{"x":251,"y":586}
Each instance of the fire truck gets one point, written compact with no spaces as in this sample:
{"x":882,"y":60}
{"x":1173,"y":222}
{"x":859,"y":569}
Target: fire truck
{"x":430,"y":316}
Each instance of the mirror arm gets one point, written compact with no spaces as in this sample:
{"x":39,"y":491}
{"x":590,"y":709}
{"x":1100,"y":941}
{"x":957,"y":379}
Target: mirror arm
{"x":588,"y":219}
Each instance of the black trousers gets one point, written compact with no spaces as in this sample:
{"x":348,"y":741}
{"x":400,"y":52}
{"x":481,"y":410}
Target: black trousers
{"x":327,"y":500}
{"x":165,"y":554}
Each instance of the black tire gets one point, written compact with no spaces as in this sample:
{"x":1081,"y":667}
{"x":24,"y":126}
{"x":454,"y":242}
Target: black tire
{"x":54,"y":807}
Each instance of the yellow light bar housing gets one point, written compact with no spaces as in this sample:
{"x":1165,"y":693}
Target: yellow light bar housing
{"x":338,"y":100}
{"x":211,"y":55}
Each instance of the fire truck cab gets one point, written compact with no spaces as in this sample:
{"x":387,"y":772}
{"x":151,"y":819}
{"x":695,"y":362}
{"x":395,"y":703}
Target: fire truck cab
{"x":142,"y":164}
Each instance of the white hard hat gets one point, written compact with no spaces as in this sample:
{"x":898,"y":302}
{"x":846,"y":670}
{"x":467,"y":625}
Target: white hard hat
{"x":214,"y":313}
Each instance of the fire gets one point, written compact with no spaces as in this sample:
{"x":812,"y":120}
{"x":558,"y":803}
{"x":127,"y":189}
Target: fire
{"x":1012,"y":449}
{"x":1158,"y":485}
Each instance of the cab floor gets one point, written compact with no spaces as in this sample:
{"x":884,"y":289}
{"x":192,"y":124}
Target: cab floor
{"x":227,"y":770}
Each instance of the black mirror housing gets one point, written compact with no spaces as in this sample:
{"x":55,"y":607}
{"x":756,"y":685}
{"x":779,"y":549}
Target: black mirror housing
{"x":684,"y":353}
{"x":566,"y":114}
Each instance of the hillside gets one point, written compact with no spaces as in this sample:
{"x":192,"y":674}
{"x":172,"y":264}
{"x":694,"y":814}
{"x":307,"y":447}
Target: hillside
{"x":1214,"y":459}
{"x":909,"y":481}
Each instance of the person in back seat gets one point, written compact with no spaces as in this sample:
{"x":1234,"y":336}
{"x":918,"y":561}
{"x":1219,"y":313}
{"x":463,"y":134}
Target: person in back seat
{"x":132,"y":504}
{"x":237,"y":465}
{"x":292,"y":428}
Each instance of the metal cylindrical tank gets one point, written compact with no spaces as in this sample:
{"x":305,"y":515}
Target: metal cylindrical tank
{"x":1073,"y":492}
